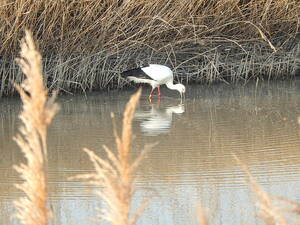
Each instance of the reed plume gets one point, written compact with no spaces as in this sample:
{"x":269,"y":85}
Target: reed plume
{"x":114,"y":177}
{"x":271,"y":209}
{"x":202,"y":216}
{"x":38,"y":112}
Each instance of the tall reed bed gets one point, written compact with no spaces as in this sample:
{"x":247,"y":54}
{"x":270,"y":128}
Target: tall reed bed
{"x":112,"y":25}
{"x":87,"y":43}
{"x":38,"y":112}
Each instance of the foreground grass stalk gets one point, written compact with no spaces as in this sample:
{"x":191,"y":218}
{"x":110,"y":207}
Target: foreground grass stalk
{"x":114,"y":177}
{"x":38,"y":112}
{"x":271,"y":210}
{"x":202,"y":217}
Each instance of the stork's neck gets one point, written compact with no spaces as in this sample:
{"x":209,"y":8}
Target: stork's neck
{"x":171,"y":86}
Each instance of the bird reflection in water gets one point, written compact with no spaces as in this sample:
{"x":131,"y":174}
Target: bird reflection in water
{"x":158,"y":119}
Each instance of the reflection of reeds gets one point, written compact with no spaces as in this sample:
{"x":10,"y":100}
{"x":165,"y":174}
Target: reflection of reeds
{"x":116,"y":174}
{"x":38,"y":111}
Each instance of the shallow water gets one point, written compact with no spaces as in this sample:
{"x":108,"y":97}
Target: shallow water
{"x":192,"y":162}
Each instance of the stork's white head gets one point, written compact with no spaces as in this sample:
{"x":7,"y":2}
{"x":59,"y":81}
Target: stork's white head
{"x":180,"y":88}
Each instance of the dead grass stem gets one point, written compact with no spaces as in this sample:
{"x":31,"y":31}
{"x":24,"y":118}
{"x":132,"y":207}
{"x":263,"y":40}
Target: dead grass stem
{"x":38,"y":112}
{"x":271,"y":209}
{"x":114,"y":177}
{"x":202,"y":216}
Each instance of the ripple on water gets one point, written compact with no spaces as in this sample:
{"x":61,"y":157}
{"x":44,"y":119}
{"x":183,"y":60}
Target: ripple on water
{"x":193,"y":161}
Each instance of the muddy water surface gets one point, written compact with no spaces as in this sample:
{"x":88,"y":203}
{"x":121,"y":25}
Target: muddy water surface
{"x":192,"y":163}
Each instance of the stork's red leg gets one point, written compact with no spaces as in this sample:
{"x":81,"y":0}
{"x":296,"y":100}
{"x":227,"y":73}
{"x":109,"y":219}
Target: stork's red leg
{"x":150,"y":96}
{"x":158,"y":89}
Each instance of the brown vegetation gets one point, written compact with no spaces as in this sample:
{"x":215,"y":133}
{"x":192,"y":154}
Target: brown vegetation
{"x":38,"y":112}
{"x":272,"y":210}
{"x":116,"y":174}
{"x":113,"y":177}
{"x":87,"y":43}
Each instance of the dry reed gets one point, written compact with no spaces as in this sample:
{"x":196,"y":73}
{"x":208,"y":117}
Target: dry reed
{"x":114,"y":177}
{"x":38,"y":112}
{"x":272,"y":210}
{"x":92,"y":26}
{"x":87,"y":43}
{"x":202,"y":216}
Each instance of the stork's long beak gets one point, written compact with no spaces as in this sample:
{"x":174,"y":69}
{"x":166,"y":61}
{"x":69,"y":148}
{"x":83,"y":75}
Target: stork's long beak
{"x":181,"y":97}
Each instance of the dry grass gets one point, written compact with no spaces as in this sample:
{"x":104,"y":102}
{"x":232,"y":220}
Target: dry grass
{"x":269,"y":213}
{"x":116,"y":174}
{"x":202,"y":216}
{"x":114,"y":177}
{"x":38,"y":112}
{"x":272,"y":210}
{"x":87,"y":43}
{"x":91,"y":26}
